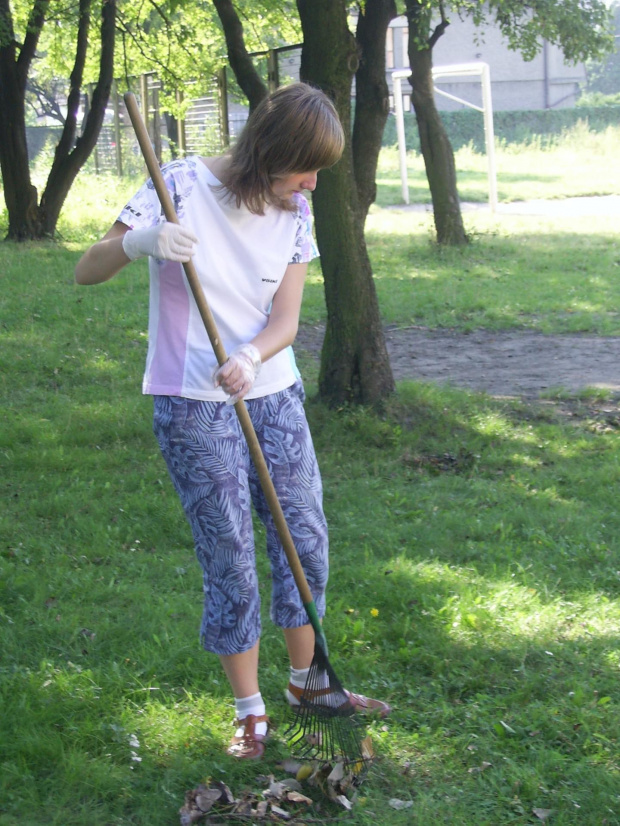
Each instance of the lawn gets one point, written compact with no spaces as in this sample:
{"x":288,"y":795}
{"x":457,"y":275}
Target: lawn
{"x":474,"y":550}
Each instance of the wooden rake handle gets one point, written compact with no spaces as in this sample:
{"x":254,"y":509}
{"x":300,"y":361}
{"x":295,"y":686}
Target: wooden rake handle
{"x":241,"y":410}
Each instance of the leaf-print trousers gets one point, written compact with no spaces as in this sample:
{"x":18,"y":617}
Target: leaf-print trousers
{"x":209,"y":463}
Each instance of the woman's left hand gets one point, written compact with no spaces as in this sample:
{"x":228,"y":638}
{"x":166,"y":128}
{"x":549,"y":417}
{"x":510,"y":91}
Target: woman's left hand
{"x":238,"y":373}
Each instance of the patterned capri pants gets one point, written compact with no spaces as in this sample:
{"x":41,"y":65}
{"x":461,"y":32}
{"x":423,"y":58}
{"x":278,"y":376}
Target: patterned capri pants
{"x":209,"y":463}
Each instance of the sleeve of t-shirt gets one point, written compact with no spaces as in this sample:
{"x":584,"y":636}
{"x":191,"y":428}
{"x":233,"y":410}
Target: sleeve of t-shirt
{"x":144,"y":209}
{"x":305,"y":248}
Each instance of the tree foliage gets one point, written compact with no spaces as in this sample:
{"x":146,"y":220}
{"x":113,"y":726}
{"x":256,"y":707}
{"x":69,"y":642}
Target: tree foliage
{"x":42,"y":41}
{"x":604,"y":75}
{"x":20,"y":33}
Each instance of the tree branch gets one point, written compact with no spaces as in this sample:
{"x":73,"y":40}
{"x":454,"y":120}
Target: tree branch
{"x":75,"y":83}
{"x":28,"y":50}
{"x":240,"y":61}
{"x":47,"y":101}
{"x":147,"y":55}
{"x":440,"y":28}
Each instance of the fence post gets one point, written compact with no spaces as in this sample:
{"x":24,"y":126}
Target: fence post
{"x":156,"y":122}
{"x":117,"y":131}
{"x":222,"y":88}
{"x":95,"y":151}
{"x":180,"y":126}
{"x":144,"y":100}
{"x":273,"y":71}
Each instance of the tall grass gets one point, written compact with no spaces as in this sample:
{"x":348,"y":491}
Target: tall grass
{"x":567,"y":165}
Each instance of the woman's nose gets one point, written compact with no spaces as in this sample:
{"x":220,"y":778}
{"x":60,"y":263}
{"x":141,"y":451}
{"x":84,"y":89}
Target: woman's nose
{"x":309,"y":181}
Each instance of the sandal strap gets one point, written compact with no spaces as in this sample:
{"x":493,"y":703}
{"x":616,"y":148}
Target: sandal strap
{"x":250,"y":722}
{"x":249,"y":745}
{"x":298,"y":693}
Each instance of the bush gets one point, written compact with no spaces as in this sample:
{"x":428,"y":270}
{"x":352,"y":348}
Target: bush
{"x":466,"y":126}
{"x":590,"y":99}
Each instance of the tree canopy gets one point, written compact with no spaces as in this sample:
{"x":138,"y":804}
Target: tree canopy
{"x":604,"y":75}
{"x":91,"y":42}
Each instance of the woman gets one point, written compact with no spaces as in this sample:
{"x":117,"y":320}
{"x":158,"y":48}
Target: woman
{"x":247,"y":227}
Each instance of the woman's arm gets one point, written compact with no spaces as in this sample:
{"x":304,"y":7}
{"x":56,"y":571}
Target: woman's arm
{"x":105,"y":258}
{"x":120,"y":245}
{"x":283,"y":321}
{"x":236,"y":376}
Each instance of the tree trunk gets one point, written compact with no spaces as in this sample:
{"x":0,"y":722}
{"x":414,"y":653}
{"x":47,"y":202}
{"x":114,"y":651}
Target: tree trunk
{"x":372,"y":103}
{"x":434,"y":142}
{"x":28,"y":219}
{"x":240,"y":61}
{"x":19,"y":193}
{"x":68,"y":163}
{"x":355,"y":365}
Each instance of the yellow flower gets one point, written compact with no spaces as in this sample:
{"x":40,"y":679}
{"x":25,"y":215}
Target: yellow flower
{"x":374,"y":612}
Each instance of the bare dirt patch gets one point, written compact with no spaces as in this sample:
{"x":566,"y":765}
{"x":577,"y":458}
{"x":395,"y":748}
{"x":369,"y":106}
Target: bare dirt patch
{"x":520,"y":364}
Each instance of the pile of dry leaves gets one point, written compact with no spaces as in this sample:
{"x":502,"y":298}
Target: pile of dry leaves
{"x":281,"y":800}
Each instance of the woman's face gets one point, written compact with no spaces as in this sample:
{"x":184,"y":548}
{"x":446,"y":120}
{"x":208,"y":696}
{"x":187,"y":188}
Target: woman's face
{"x":286,"y":187}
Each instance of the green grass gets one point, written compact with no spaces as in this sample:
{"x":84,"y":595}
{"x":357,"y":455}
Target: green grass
{"x":555,"y":275}
{"x":484,"y":533}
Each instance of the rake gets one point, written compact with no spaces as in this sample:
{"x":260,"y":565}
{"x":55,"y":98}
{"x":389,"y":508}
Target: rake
{"x":324,"y":727}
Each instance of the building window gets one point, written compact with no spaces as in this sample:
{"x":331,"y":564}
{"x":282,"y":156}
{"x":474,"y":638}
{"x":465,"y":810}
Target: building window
{"x":405,"y":46}
{"x":389,"y":48}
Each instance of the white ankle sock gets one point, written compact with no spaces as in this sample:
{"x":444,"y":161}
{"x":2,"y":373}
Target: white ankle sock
{"x":250,"y":705}
{"x":299,"y":678}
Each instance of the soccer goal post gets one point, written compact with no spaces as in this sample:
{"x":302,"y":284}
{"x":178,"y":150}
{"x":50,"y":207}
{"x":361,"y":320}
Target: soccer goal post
{"x":480,"y":70}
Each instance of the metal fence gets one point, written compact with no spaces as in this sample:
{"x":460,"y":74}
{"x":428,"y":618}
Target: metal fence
{"x":212,"y":120}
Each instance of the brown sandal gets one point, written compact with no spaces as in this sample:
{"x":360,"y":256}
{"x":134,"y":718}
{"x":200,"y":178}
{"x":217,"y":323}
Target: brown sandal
{"x":250,"y":746}
{"x":361,"y":704}
{"x":366,"y":705}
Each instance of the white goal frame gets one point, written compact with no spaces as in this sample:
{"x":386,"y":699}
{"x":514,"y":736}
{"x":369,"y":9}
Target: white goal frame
{"x":480,"y":70}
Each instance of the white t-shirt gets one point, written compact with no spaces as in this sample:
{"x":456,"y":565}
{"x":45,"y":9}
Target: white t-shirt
{"x":241,"y":259}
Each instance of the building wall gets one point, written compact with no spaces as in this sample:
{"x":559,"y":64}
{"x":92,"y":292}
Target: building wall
{"x":546,"y":82}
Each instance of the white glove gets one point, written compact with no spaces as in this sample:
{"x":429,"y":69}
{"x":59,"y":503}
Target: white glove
{"x":169,"y":242}
{"x":238,"y":373}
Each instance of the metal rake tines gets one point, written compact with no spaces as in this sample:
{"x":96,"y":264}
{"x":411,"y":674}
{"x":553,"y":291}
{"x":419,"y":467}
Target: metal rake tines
{"x":326,"y":727}
{"x":327,"y":735}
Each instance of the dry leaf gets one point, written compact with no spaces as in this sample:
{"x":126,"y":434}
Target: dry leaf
{"x":395,"y":803}
{"x":243,"y":807}
{"x":298,"y":797}
{"x":206,"y":798}
{"x":291,"y":766}
{"x":367,"y":750}
{"x":480,"y":768}
{"x":279,"y":788}
{"x":304,"y":771}
{"x":336,"y":774}
{"x":226,"y":795}
{"x":280,"y":812}
{"x":344,"y":801}
{"x":192,"y":811}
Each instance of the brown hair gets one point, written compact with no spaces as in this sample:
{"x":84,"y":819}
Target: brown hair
{"x":295,"y":129}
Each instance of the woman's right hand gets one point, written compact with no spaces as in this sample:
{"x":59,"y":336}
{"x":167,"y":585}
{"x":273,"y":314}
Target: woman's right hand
{"x":238,"y":373}
{"x":167,"y":241}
